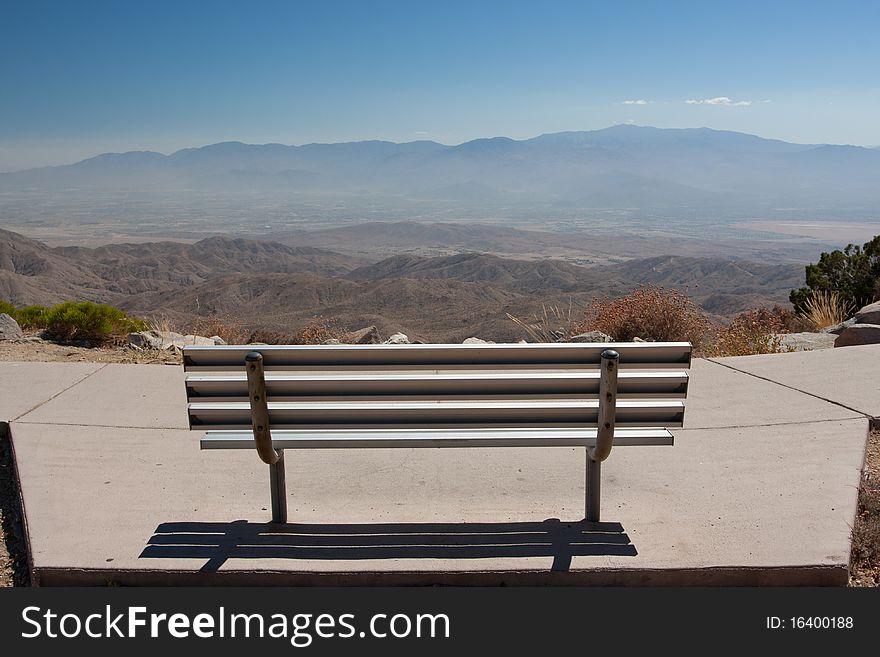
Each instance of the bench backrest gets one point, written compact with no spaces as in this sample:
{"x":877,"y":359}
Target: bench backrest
{"x":437,"y":386}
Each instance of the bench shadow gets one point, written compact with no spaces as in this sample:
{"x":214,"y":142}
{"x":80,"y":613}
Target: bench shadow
{"x":217,"y":541}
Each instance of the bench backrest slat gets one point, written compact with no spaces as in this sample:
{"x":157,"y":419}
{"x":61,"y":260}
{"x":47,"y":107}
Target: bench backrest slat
{"x":639,"y":355}
{"x":482,"y":384}
{"x":556,"y":413}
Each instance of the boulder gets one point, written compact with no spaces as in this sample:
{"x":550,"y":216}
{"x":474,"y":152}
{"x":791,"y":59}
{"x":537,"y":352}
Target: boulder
{"x":859,"y":334}
{"x":145,"y":340}
{"x":837,"y":329}
{"x":590,"y":336}
{"x":218,"y":340}
{"x":200,"y":340}
{"x":476,"y":341}
{"x":366,"y":335}
{"x":397,"y":338}
{"x":166,"y":340}
{"x":870,"y":314}
{"x":806,"y":341}
{"x":9,"y":328}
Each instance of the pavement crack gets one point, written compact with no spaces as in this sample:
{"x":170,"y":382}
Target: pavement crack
{"x":101,"y":426}
{"x":860,"y":416}
{"x":784,"y":385}
{"x":57,"y":394}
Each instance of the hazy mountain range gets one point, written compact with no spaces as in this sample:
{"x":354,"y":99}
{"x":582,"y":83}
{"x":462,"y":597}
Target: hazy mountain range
{"x":623,"y":166}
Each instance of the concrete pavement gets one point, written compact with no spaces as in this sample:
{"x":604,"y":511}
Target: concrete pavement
{"x":759,"y":489}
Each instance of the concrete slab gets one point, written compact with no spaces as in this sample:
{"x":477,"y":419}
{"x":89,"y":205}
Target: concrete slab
{"x":719,"y":396}
{"x":144,"y":396}
{"x":845,"y":375}
{"x":756,"y":505}
{"x":24,"y":386}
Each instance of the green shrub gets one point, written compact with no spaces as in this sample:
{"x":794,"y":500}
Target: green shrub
{"x":92,"y":322}
{"x":31,"y":317}
{"x":854,"y":274}
{"x":6,"y":308}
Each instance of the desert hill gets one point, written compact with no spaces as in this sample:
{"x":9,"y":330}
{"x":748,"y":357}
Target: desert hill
{"x":521,"y":275}
{"x":269,"y":285}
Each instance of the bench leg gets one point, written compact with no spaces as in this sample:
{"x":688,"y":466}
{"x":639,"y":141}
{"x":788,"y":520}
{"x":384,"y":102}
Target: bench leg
{"x":593,"y":489}
{"x":279,"y":489}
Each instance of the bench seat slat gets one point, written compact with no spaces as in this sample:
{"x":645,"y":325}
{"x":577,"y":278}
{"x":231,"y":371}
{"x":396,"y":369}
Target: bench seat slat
{"x":393,"y":438}
{"x":671,"y":384}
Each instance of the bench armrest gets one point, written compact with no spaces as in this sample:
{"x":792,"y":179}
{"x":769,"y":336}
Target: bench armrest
{"x":607,"y":405}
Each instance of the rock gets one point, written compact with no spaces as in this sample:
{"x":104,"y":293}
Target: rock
{"x":9,"y":328}
{"x":870,"y":314}
{"x":366,"y":335}
{"x":200,"y":340}
{"x":397,"y":338}
{"x":859,"y":334}
{"x":806,"y":341}
{"x":476,"y":341}
{"x":217,"y":339}
{"x":166,"y":340}
{"x":837,"y":329}
{"x":590,"y":336}
{"x":638,"y":339}
{"x":331,"y":341}
{"x":145,"y":340}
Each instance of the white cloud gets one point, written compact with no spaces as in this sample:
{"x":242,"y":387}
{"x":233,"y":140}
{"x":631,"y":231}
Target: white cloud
{"x":720,"y":100}
{"x":640,"y":101}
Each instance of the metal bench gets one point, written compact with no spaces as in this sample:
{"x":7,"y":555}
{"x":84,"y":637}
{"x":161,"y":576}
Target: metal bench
{"x":281,"y":397}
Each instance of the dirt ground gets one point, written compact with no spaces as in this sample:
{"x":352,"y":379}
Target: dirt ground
{"x":865,"y":568}
{"x":41,"y":351}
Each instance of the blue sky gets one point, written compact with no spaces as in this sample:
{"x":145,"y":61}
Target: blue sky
{"x":83,"y":77}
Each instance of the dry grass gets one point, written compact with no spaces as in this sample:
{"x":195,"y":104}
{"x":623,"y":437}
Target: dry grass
{"x":656,"y":314}
{"x":318,"y":331}
{"x":752,"y":332}
{"x":234,"y":331}
{"x":163,"y":325}
{"x":826,"y":308}
{"x":230,"y":330}
{"x":551,"y":324}
{"x":650,"y":313}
